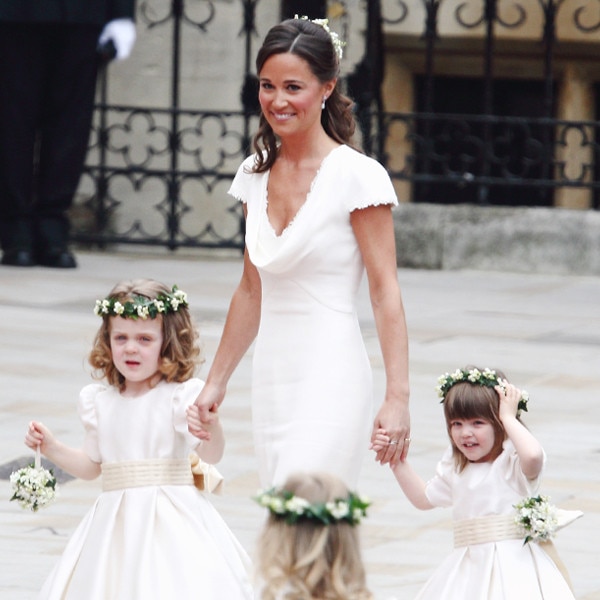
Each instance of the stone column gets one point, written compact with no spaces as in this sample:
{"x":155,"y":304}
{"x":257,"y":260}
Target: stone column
{"x":575,"y":103}
{"x":398,"y":96}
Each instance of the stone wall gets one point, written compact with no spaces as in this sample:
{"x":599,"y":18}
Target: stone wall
{"x":526,"y":240}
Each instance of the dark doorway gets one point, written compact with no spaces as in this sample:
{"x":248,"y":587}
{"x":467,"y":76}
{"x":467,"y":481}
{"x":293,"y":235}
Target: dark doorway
{"x":462,"y":149}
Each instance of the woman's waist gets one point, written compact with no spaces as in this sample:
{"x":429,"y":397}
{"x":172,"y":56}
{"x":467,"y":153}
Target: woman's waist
{"x":146,"y":472}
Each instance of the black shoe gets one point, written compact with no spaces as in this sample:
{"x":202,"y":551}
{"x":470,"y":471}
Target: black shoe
{"x":59,"y":259}
{"x":18,"y":258}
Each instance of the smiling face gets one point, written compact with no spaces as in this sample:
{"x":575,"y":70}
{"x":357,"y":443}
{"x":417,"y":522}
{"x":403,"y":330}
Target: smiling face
{"x":473,"y":424}
{"x":290,"y":95}
{"x":136,"y":352}
{"x":475,"y":439}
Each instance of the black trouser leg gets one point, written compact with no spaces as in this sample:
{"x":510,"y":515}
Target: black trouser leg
{"x":64,"y":129}
{"x":47,"y":85}
{"x":21,"y":84}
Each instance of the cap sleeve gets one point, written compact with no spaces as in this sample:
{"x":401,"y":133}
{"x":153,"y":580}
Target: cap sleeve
{"x":366,"y":183}
{"x":86,"y":408}
{"x":184,"y":396}
{"x":241,"y":185}
{"x":439,"y":489}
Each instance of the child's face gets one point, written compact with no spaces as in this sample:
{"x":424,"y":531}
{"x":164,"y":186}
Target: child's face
{"x":135,"y":347}
{"x":475,"y":438}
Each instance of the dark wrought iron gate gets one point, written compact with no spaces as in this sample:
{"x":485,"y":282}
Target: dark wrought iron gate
{"x":171,"y":165}
{"x":159,"y":176}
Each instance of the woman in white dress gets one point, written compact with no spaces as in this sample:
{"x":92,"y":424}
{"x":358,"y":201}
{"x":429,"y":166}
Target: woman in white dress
{"x":493,"y":464}
{"x":151,"y":534}
{"x":318,"y":213}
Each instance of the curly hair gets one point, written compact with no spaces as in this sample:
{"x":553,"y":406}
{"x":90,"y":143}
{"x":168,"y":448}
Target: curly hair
{"x":313,"y":44}
{"x":466,"y":400}
{"x":180,"y":352}
{"x":306,"y":561}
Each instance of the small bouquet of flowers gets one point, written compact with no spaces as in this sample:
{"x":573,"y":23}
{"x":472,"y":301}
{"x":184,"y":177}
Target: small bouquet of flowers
{"x":537,"y":519}
{"x":33,"y":486}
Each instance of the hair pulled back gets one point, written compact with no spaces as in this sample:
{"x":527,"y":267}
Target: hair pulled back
{"x":180,"y":352}
{"x":312,"y":43}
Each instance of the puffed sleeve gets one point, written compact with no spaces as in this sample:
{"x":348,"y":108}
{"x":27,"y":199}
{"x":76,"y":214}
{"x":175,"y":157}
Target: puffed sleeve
{"x":439,"y":488}
{"x":244,"y":180}
{"x":509,"y":465}
{"x":184,"y":396}
{"x":86,"y":408}
{"x":366,"y":183}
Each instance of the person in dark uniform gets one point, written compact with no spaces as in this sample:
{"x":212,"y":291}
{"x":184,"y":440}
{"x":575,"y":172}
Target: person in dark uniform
{"x":48,"y":67}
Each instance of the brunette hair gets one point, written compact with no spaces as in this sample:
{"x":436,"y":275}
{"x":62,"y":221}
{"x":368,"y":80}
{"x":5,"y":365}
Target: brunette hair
{"x":312,"y":43}
{"x":308,"y":560}
{"x":466,"y":400}
{"x":180,"y":352}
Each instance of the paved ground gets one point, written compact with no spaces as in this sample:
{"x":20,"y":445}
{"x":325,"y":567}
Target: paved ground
{"x":543,"y":330}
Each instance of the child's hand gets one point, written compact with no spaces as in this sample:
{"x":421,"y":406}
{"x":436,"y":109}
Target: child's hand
{"x":381,"y":441}
{"x":509,"y":400}
{"x":39,"y":435}
{"x":198,"y":427}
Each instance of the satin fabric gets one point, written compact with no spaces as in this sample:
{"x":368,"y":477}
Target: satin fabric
{"x":501,"y":570}
{"x":151,"y":542}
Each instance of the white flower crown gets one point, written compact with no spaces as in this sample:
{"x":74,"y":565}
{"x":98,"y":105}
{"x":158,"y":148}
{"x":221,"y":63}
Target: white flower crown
{"x":338,"y":45}
{"x":291,"y":508}
{"x":142,"y":307}
{"x":487,"y":378}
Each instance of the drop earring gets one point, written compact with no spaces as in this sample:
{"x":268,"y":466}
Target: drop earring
{"x":323,"y":103}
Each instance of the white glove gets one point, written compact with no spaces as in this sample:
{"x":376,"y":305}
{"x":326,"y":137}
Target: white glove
{"x":122,"y":33}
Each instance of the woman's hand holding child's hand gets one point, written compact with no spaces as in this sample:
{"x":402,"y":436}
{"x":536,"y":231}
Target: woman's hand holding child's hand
{"x":381,"y":441}
{"x":199,"y":427}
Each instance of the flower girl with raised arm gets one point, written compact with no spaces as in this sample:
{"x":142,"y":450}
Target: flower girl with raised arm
{"x":151,"y":534}
{"x":490,"y":476}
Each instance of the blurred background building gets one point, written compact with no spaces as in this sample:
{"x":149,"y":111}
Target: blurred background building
{"x":485,"y":113}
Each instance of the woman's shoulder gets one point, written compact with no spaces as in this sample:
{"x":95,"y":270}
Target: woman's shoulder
{"x":363,"y":179}
{"x":353,"y":158}
{"x":244,"y":179}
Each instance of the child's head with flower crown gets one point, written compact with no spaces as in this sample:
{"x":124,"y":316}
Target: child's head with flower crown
{"x":144,"y":317}
{"x":314,"y":552}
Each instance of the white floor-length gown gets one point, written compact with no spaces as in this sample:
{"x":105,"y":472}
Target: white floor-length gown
{"x":153,"y":542}
{"x":506,"y":569}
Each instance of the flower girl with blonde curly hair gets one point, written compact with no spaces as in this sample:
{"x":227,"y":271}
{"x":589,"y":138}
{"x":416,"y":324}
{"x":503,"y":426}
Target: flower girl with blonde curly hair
{"x":151,"y":533}
{"x":309,"y":547}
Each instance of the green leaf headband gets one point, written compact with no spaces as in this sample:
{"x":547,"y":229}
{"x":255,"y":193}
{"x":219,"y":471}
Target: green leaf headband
{"x":142,"y":307}
{"x":487,"y":378}
{"x":291,"y":508}
{"x":338,"y":45}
